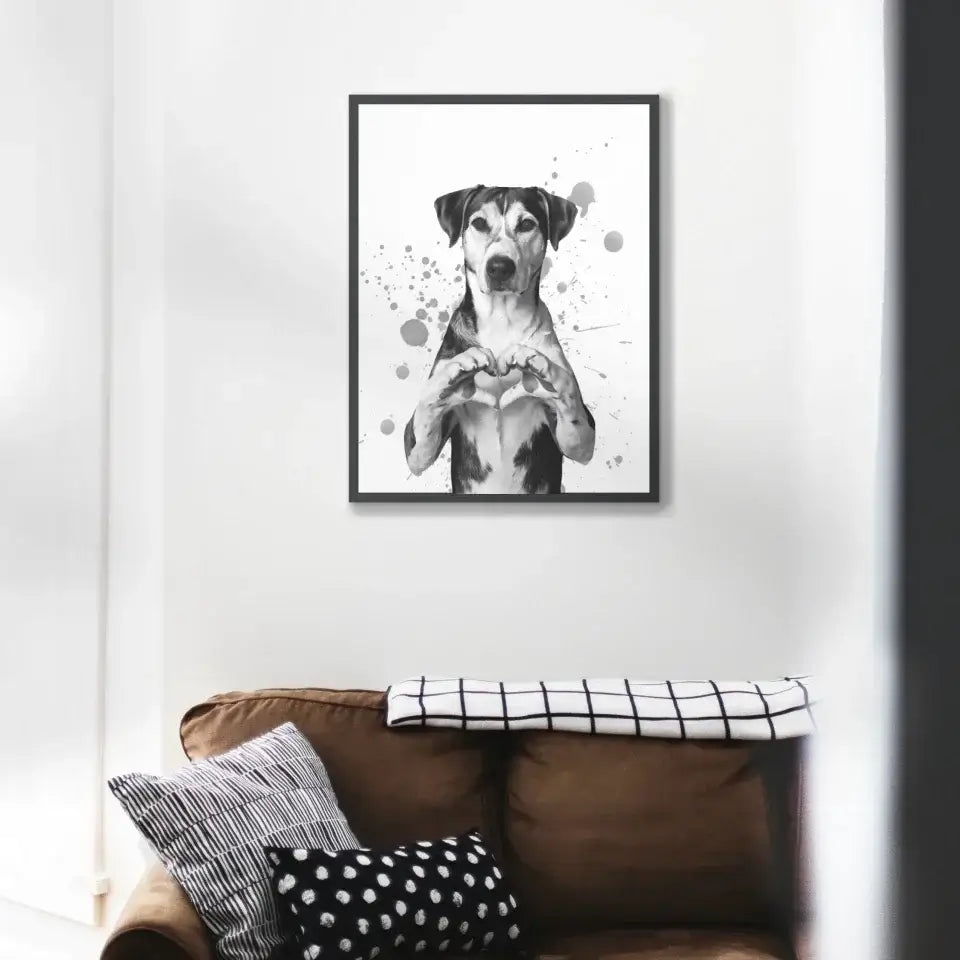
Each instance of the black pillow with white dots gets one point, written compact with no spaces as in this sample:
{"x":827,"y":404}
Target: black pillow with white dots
{"x":446,"y":896}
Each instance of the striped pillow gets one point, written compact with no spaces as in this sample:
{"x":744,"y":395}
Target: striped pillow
{"x":210,"y":821}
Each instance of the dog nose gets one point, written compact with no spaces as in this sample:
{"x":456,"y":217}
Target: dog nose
{"x":500,"y":268}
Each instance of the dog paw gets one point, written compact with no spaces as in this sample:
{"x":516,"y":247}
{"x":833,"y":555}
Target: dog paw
{"x":536,"y":370}
{"x":455,"y":376}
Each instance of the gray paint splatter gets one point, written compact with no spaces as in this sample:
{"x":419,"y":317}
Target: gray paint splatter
{"x":561,"y":287}
{"x":403,"y":371}
{"x":414,"y":332}
{"x":613,"y":241}
{"x":387,"y":427}
{"x":421,"y":314}
{"x":618,"y":459}
{"x":601,"y":326}
{"x":582,"y":195}
{"x":443,"y":317}
{"x":393,"y":306}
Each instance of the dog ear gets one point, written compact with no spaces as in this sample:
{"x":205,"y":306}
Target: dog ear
{"x":560,"y":216}
{"x":450,"y":208}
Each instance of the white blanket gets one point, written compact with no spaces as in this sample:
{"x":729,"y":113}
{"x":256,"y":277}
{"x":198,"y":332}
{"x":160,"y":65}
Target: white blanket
{"x":679,"y":709}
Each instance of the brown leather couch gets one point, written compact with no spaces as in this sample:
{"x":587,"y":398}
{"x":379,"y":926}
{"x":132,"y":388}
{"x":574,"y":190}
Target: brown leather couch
{"x":618,"y":848}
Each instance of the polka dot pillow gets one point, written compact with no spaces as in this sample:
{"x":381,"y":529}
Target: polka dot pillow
{"x":433,"y":897}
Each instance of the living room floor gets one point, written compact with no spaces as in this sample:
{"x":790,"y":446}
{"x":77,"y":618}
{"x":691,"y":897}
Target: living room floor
{"x":26,"y":933}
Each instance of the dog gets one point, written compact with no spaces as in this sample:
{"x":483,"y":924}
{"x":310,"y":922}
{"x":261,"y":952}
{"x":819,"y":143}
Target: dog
{"x":501,"y":389}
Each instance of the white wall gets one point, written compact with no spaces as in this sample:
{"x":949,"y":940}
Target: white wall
{"x":235,"y":560}
{"x":198,"y":206}
{"x":54,"y":334}
{"x":135,"y":724}
{"x":763,"y":558}
{"x":845,"y":577}
{"x":271,"y":577}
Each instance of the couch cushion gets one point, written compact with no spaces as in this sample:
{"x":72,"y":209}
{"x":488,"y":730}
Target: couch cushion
{"x":395,"y":786}
{"x":607,"y":831}
{"x":719,"y":944}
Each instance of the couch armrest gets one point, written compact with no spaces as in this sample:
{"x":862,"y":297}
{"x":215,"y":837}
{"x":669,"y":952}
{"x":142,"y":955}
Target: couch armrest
{"x":158,"y":923}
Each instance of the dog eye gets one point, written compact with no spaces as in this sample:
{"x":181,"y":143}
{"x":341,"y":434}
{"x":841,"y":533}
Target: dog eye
{"x":480,"y":224}
{"x":525,"y":226}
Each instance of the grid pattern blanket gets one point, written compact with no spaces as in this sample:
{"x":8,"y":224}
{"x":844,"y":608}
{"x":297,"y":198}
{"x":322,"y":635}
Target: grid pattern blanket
{"x":679,"y":709}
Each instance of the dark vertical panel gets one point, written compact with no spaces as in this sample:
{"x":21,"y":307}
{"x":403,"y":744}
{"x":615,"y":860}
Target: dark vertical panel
{"x":928,"y":815}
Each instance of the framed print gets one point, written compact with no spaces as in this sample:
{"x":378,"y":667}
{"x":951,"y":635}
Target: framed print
{"x":503,"y":298}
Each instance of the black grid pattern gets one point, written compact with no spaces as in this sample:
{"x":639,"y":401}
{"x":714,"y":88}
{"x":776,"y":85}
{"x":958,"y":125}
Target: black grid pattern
{"x":679,"y":709}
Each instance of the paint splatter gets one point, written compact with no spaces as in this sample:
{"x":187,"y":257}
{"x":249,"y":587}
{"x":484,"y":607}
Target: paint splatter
{"x":553,"y":176}
{"x":387,"y":427}
{"x":408,"y":248}
{"x":393,"y":306}
{"x":618,"y":459}
{"x":599,"y":373}
{"x":582,"y":195}
{"x":432,"y":303}
{"x":425,"y":260}
{"x":421,"y":314}
{"x":403,"y":371}
{"x":426,"y":274}
{"x":414,"y":332}
{"x":613,"y":241}
{"x":561,"y":287}
{"x":545,"y":269}
{"x":601,"y":326}
{"x":443,"y":317}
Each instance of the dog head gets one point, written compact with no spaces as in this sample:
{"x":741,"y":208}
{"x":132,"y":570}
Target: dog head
{"x":505,"y":231}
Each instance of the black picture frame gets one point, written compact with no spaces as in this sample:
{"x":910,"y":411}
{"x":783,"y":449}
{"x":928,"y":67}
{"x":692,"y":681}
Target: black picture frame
{"x":650,"y":100}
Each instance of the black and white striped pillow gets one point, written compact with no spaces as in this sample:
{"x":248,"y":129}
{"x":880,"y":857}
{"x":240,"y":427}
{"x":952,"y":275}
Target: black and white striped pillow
{"x":210,"y":821}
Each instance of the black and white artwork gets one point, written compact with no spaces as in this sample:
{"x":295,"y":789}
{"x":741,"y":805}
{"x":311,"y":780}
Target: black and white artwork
{"x":503,"y":314}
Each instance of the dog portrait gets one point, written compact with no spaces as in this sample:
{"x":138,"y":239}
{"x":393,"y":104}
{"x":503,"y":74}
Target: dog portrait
{"x":503,"y":328}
